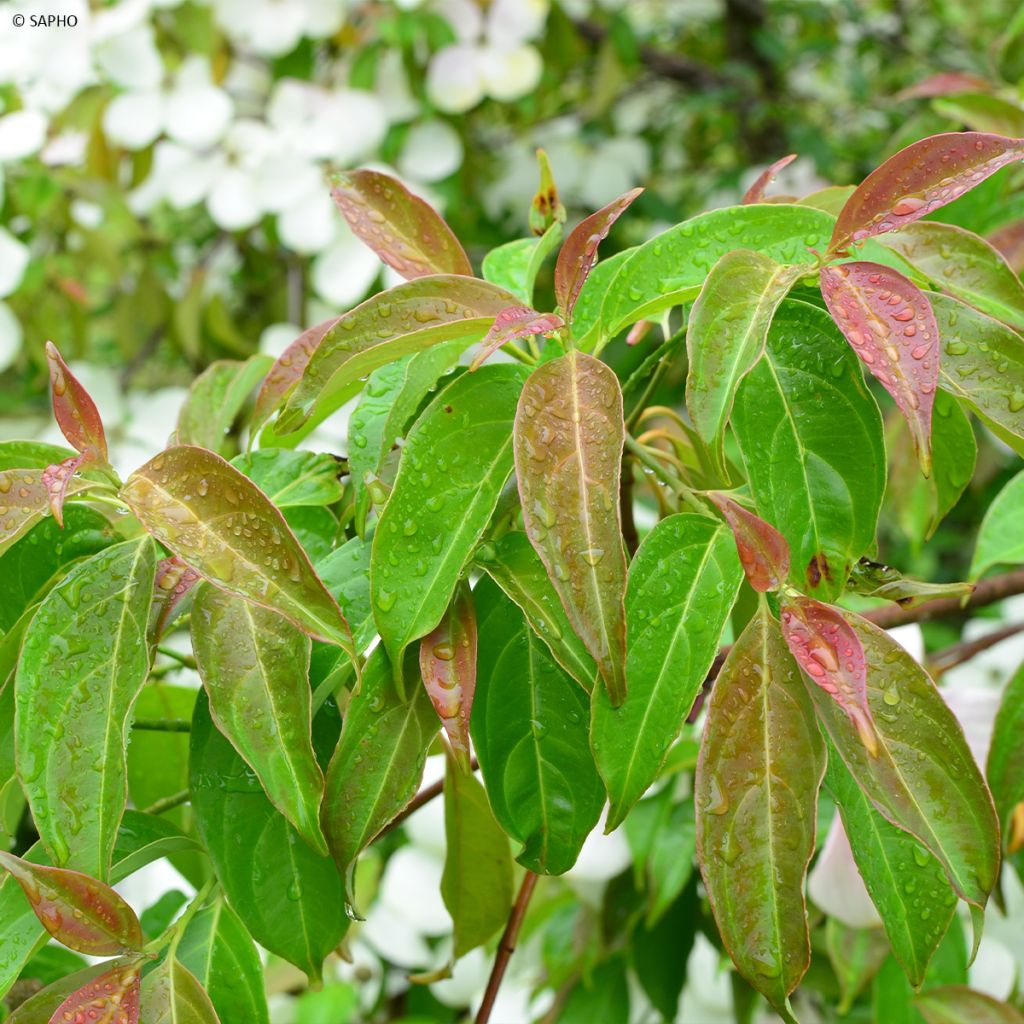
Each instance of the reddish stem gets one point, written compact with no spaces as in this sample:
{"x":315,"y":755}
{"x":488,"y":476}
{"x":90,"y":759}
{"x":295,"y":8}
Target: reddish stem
{"x":506,"y":947}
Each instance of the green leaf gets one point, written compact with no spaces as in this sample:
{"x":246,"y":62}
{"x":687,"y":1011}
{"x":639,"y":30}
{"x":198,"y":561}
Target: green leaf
{"x":454,"y":465}
{"x":726,"y":335}
{"x":906,"y":883}
{"x":218,"y":950}
{"x":957,"y":1004}
{"x":586,"y":314}
{"x":1000,"y":538}
{"x":477,"y":880}
{"x":568,"y":448}
{"x":811,"y":438}
{"x":965,"y":265}
{"x":660,"y":951}
{"x":514,"y":266}
{"x":603,"y":996}
{"x":82,"y":666}
{"x":171,"y":994}
{"x":315,"y":528}
{"x":215,"y":400}
{"x":377,"y":765}
{"x":408,"y":318}
{"x":685,"y":572}
{"x":982,"y":362}
{"x":24,"y":500}
{"x":513,"y":564}
{"x":1005,"y":768}
{"x":144,"y":838}
{"x":346,"y":574}
{"x":924,"y":778}
{"x":857,"y":954}
{"x":293,"y":478}
{"x":761,"y":763}
{"x":670,"y":859}
{"x":529,"y":730}
{"x":255,"y":667}
{"x":223,"y":526}
{"x":289,"y":897}
{"x":31,"y":454}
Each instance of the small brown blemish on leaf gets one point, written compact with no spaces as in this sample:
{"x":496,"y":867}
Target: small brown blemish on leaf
{"x":818,"y":568}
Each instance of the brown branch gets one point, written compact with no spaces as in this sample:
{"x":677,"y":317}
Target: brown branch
{"x":506,"y":947}
{"x":957,"y":654}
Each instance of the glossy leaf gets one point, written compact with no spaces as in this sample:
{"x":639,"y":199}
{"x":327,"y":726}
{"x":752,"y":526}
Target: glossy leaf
{"x":511,"y":324}
{"x":83,"y":663}
{"x":760,"y":767}
{"x":686,"y":571}
{"x":293,"y":478}
{"x":110,"y":998}
{"x":377,"y":765}
{"x":811,"y":438}
{"x":57,"y":479}
{"x":173,"y":584}
{"x":568,"y":449}
{"x":579,"y":252}
{"x":957,"y":1004}
{"x":172,"y":995}
{"x":514,"y":565}
{"x":30,"y":454}
{"x":726,"y":334}
{"x":448,"y":668}
{"x":1005,"y":769}
{"x":78,"y":911}
{"x":455,"y":462}
{"x":409,"y":318}
{"x":906,"y":883}
{"x":218,"y":950}
{"x":215,"y":401}
{"x":39,"y":1008}
{"x":763,"y":551}
{"x":24,"y":500}
{"x":515,"y":265}
{"x":218,"y":522}
{"x":255,"y":666}
{"x":756,"y":192}
{"x":530,"y":733}
{"x":402,"y":229}
{"x":75,"y":411}
{"x":923,"y":778}
{"x":289,"y":897}
{"x":346,"y":574}
{"x":918,"y":180}
{"x":477,"y":880}
{"x":1000,"y":538}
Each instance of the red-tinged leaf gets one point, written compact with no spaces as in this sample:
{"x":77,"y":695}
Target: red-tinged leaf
{"x":958,"y":1004}
{"x":828,"y":649}
{"x":890,"y":324}
{"x":78,"y":911}
{"x":546,"y":207}
{"x":56,"y":479}
{"x":1009,"y":240}
{"x":112,"y":998}
{"x":24,"y":500}
{"x":75,"y":411}
{"x":568,"y":442}
{"x":174,"y":579}
{"x":285,"y":373}
{"x":763,"y":551}
{"x":918,"y":180}
{"x":448,"y":668}
{"x":407,"y":233}
{"x":579,"y":253}
{"x":756,"y":192}
{"x":512,"y":323}
{"x":945,"y":83}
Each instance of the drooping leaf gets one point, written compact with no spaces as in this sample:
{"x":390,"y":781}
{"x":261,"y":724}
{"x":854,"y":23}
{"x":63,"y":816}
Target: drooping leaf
{"x":923,"y":778}
{"x":569,"y":436}
{"x":408,"y":318}
{"x":763,"y":551}
{"x":215,"y":400}
{"x":511,"y":324}
{"x":110,"y":998}
{"x":514,"y":565}
{"x":83,"y":663}
{"x":756,"y":192}
{"x":448,"y":668}
{"x":1000,"y":538}
{"x":77,"y":910}
{"x":906,"y":883}
{"x":75,"y":411}
{"x":726,"y":334}
{"x":293,"y":478}
{"x":685,"y":572}
{"x":255,"y":668}
{"x":957,"y":1004}
{"x":403,"y":230}
{"x":965,"y":265}
{"x":530,"y":733}
{"x":1005,"y":768}
{"x":218,"y":522}
{"x":455,"y":462}
{"x":918,"y":180}
{"x":218,"y":950}
{"x":477,"y":880}
{"x":24,"y":500}
{"x":377,"y":765}
{"x":579,"y":253}
{"x":514,"y":266}
{"x":811,"y":438}
{"x":761,"y":763}
{"x":890,"y":324}
{"x":289,"y":897}
{"x":171,"y":994}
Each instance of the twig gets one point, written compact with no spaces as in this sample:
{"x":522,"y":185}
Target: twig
{"x":957,"y":654}
{"x":424,"y":796}
{"x":167,"y":803}
{"x":162,"y":724}
{"x":661,"y":471}
{"x":506,"y":947}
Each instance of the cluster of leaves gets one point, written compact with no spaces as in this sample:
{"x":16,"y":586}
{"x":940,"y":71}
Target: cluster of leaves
{"x":482,"y":527}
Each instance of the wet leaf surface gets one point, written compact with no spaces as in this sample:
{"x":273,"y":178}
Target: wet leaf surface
{"x":110,"y":998}
{"x":511,"y":324}
{"x":1005,"y":769}
{"x":293,"y":478}
{"x":1000,"y":538}
{"x":216,"y":399}
{"x":762,"y":550}
{"x":75,"y":411}
{"x":514,"y":266}
{"x":957,"y":1004}
{"x":172,"y":995}
{"x":756,"y":192}
{"x":24,"y":500}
